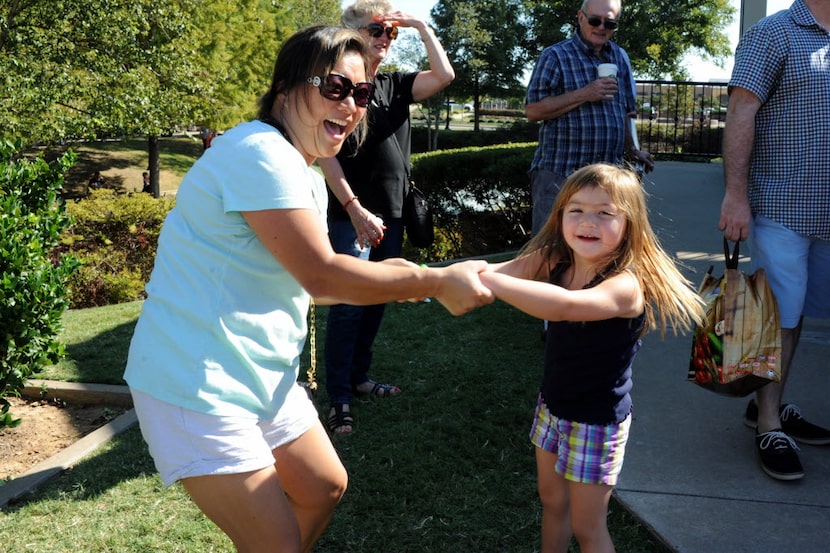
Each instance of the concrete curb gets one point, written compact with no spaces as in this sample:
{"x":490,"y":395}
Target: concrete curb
{"x":77,"y":394}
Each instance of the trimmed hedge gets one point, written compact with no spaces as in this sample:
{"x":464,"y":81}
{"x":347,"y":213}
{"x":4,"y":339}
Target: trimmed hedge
{"x":480,"y":197}
{"x":518,"y":132}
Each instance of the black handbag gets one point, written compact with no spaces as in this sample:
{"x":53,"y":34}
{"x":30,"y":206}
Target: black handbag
{"x":417,"y":218}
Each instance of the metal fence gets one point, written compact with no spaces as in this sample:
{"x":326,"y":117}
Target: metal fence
{"x":680,"y":119}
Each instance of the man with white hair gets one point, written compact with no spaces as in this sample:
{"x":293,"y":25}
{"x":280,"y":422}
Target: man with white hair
{"x":585,"y":119}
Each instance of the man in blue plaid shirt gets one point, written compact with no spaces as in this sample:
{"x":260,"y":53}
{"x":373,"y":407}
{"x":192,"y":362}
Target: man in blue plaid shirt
{"x":777,"y":169}
{"x":585,"y":119}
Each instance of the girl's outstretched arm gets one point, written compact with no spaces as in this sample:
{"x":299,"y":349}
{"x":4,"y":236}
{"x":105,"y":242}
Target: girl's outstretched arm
{"x":619,"y":296}
{"x":531,"y":266}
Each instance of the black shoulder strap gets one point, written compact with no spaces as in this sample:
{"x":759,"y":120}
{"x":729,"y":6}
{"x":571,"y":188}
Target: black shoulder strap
{"x":731,"y":257}
{"x":400,"y":152}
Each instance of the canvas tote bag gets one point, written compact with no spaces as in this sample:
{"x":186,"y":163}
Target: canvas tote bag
{"x":739,"y":348}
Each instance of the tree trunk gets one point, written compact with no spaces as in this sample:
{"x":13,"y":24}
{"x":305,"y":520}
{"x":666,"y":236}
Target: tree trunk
{"x":433,"y":142}
{"x":153,"y":163}
{"x":476,"y":103}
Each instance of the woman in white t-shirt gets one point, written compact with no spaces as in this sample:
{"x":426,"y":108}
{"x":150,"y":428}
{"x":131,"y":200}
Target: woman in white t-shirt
{"x":214,"y":358}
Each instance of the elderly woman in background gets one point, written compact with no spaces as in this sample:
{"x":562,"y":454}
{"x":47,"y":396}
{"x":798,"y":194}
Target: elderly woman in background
{"x":367,"y":184}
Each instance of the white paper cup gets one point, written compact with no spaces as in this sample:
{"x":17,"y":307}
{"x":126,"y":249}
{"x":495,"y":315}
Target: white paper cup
{"x":607,"y":70}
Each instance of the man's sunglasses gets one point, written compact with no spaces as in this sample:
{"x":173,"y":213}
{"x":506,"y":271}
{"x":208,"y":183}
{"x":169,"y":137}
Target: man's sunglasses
{"x":596,"y":21}
{"x":376,"y":29}
{"x":337,"y":88}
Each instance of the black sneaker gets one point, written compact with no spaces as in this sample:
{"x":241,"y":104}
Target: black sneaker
{"x":792,"y":423}
{"x":777,"y":453}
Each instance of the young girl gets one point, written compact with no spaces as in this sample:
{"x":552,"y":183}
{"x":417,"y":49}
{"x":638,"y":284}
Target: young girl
{"x":597,"y":272}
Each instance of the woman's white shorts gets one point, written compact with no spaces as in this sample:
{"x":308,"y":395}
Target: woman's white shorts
{"x":186,"y":443}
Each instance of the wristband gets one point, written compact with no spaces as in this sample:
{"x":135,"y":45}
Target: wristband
{"x":345,"y":205}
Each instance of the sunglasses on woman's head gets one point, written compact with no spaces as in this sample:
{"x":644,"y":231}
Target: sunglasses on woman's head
{"x":337,"y":88}
{"x":596,"y":21}
{"x":376,"y":29}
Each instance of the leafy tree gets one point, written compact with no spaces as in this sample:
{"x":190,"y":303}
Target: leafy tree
{"x":487,"y":42}
{"x":138,"y":68}
{"x":78,"y":69}
{"x":656,"y":34}
{"x":33,"y":293}
{"x":145,"y":79}
{"x":303,"y":13}
{"x":409,"y":54}
{"x":237,"y":42}
{"x":36,"y":82}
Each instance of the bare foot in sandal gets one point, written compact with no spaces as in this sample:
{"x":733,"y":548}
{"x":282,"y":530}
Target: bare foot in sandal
{"x":372,"y":388}
{"x":340,"y":419}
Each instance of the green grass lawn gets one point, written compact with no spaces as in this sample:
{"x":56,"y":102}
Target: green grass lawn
{"x":444,"y":467}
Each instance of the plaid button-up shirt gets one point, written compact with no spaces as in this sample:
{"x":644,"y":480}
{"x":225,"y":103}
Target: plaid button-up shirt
{"x":784,"y":60}
{"x":592,"y":132}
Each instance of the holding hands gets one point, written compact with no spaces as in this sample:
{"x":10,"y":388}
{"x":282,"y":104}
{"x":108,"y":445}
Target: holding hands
{"x":457,"y":287}
{"x":461,"y":289}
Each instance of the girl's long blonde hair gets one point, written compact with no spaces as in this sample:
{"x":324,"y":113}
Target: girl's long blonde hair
{"x":669,"y":297}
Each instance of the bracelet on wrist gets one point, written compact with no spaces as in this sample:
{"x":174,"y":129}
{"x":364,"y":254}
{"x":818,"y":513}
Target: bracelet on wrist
{"x":345,"y":205}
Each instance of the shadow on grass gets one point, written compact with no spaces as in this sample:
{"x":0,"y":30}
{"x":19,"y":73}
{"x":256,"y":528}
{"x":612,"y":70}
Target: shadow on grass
{"x":104,"y":356}
{"x":101,"y":359}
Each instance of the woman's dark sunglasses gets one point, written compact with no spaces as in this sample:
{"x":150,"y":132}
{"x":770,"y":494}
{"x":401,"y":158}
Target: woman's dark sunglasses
{"x":596,"y":21}
{"x":337,"y":88}
{"x":376,"y":29}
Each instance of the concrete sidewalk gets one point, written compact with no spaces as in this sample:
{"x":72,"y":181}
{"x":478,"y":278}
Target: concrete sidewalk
{"x":690,"y":472}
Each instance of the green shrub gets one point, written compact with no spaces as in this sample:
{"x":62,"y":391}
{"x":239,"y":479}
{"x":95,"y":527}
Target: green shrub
{"x":480,"y":197}
{"x":104,"y":278}
{"x":441,"y":249}
{"x":116,"y":237}
{"x":33,"y":294}
{"x":519,"y":132}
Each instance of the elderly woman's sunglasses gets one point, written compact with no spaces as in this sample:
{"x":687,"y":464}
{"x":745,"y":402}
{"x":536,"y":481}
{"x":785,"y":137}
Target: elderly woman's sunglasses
{"x":376,"y":29}
{"x":596,"y":21}
{"x":337,"y":88}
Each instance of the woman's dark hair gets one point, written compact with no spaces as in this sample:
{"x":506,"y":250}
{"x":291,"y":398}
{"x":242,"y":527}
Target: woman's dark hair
{"x":309,"y":52}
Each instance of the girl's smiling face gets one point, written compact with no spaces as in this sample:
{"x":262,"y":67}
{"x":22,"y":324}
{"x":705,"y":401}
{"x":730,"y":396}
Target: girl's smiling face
{"x":592,"y":225}
{"x":319,"y":126}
